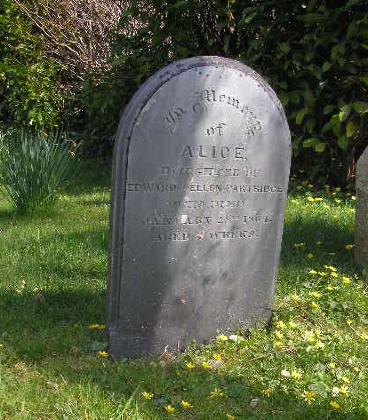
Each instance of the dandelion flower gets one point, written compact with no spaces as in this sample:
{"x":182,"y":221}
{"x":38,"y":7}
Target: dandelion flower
{"x":333,"y":274}
{"x":217,"y":357}
{"x":281,"y":325}
{"x":292,"y":325}
{"x":147,"y":395}
{"x":309,"y":396}
{"x":346,"y":280}
{"x":332,"y":365}
{"x":103,"y":354}
{"x":349,"y":321}
{"x":190,"y":365}
{"x":315,"y":294}
{"x":279,"y":335}
{"x":315,"y":306}
{"x":185,"y":405}
{"x":216,"y":393}
{"x":170,"y":409}
{"x":266,"y":392}
{"x":345,"y":379}
{"x":296,"y":375}
{"x":222,"y":337}
{"x":344,"y":390}
{"x":206,"y":365}
{"x":334,"y":405}
{"x":313,"y":272}
{"x":230,"y":417}
{"x":349,"y":247}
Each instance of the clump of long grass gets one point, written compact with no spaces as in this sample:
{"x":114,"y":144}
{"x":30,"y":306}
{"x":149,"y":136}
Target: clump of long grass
{"x":33,"y":167}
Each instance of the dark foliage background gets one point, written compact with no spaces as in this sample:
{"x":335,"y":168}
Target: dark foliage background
{"x":313,"y":53}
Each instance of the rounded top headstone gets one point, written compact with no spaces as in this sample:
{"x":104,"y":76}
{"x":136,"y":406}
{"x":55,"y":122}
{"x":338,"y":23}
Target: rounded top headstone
{"x":201,"y":167}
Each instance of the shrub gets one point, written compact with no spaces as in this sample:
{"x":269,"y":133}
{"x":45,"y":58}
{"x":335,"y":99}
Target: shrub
{"x":32,"y":168}
{"x":313,"y":53}
{"x":29,"y":95}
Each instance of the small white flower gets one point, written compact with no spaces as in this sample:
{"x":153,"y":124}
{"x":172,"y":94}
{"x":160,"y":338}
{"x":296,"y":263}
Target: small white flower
{"x":285,"y":373}
{"x":335,"y":391}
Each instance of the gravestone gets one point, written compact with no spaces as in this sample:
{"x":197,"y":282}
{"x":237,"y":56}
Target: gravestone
{"x":361,"y":215}
{"x":201,"y":167}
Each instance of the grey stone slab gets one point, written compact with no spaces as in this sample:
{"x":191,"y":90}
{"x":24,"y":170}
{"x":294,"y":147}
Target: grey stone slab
{"x":201,"y":167}
{"x":361,"y":215}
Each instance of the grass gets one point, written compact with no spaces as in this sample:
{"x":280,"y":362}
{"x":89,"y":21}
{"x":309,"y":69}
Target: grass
{"x":310,"y":364}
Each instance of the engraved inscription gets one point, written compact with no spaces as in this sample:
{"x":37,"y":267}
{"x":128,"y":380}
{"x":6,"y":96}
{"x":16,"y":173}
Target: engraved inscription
{"x":205,"y":97}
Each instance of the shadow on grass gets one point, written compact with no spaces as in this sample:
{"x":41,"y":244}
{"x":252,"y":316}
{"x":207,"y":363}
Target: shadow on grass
{"x":49,"y":331}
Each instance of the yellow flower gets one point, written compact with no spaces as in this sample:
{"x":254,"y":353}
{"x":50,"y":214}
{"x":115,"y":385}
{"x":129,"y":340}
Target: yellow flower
{"x":313,"y":272}
{"x":217,"y":357}
{"x":230,"y":417}
{"x":185,"y":405}
{"x":222,"y":337}
{"x":299,"y":245}
{"x":333,"y":274}
{"x":309,"y":396}
{"x":337,"y":200}
{"x":322,"y":274}
{"x":330,"y":288}
{"x":319,"y":345}
{"x":278,"y":343}
{"x":310,"y":256}
{"x":279,"y":335}
{"x":147,"y":395}
{"x":345,"y":379}
{"x":315,"y":294}
{"x":346,"y":280}
{"x":315,"y":306}
{"x":310,"y":199}
{"x":292,"y":325}
{"x":334,"y":405}
{"x":349,"y":321}
{"x":344,"y":390}
{"x":332,"y":365}
{"x":349,"y":247}
{"x":295,"y":298}
{"x":103,"y":354}
{"x":266,"y":392}
{"x":318,"y":199}
{"x":281,"y":325}
{"x":356,"y":369}
{"x":330,"y":267}
{"x":309,"y":336}
{"x":216,"y":393}
{"x":97,"y":327}
{"x":206,"y":365}
{"x":296,"y":375}
{"x":170,"y":409}
{"x":190,"y":365}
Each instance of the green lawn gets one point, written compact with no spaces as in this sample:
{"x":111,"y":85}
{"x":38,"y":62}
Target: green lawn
{"x":311,"y":364}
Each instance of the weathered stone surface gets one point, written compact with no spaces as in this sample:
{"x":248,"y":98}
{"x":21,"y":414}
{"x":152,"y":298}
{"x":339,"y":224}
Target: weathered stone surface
{"x":201,"y":169}
{"x":361,"y":215}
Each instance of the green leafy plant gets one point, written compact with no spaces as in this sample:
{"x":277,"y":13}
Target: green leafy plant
{"x":33,"y":167}
{"x":313,"y":53}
